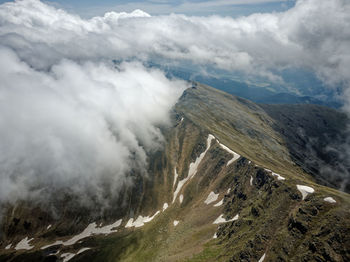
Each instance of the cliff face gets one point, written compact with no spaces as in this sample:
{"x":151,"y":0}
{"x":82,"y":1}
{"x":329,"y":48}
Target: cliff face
{"x":226,"y":187}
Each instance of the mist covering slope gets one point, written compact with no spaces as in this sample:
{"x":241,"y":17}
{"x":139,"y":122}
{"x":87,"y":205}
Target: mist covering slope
{"x":259,"y":207}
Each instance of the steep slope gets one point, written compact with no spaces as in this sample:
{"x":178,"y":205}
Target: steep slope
{"x":217,"y":198}
{"x":317,"y":138}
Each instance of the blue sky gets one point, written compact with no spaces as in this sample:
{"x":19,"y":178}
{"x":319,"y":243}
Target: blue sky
{"x":234,"y":8}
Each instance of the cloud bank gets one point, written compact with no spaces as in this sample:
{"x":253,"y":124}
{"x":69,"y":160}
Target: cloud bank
{"x":69,"y":118}
{"x":313,"y":35}
{"x":81,"y":127}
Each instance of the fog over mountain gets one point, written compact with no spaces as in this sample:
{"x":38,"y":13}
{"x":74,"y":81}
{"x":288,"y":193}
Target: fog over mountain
{"x":70,"y":117}
{"x":78,"y":126}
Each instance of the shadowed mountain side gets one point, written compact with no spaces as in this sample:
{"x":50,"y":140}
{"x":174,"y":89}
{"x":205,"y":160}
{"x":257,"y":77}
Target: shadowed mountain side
{"x":317,"y":138}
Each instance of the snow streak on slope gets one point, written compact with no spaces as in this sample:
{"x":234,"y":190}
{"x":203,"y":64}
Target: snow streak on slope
{"x":279,"y":177}
{"x":221,"y":219}
{"x":24,"y":244}
{"x":68,"y":256}
{"x":235,"y":155}
{"x":193,"y":168}
{"x":219,"y":203}
{"x":90,"y":230}
{"x":262,"y":258}
{"x":140,"y":221}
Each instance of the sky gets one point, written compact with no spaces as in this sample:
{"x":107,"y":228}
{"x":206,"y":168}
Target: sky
{"x":73,"y":120}
{"x":233,"y":8}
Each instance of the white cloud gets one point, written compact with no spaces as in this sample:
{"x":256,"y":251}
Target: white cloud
{"x":65,"y":113}
{"x":78,"y":126}
{"x":313,"y":34}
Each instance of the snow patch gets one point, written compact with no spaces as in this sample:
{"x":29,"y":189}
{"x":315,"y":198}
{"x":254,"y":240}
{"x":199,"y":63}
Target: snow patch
{"x":59,"y":242}
{"x":90,"y":230}
{"x":215,"y":235}
{"x":305,"y":190}
{"x":181,"y":198}
{"x":165,"y":206}
{"x":235,"y":155}
{"x":262,"y":258}
{"x":330,"y":200}
{"x":67,"y":256}
{"x":83,"y":250}
{"x":228,"y":190}
{"x":129,"y":223}
{"x":249,"y":162}
{"x":279,"y":177}
{"x":149,"y":219}
{"x":221,"y":219}
{"x":49,"y":226}
{"x":212,"y":197}
{"x":219,"y":203}
{"x":234,"y":219}
{"x":182,"y":119}
{"x":24,"y":244}
{"x":53,"y":252}
{"x":140,"y":221}
{"x":8,"y":246}
{"x":175,"y":223}
{"x":193,"y":168}
{"x":251,"y":180}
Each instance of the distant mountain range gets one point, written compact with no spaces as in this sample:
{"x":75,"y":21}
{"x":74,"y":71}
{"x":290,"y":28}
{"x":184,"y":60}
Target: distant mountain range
{"x":301,"y":87}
